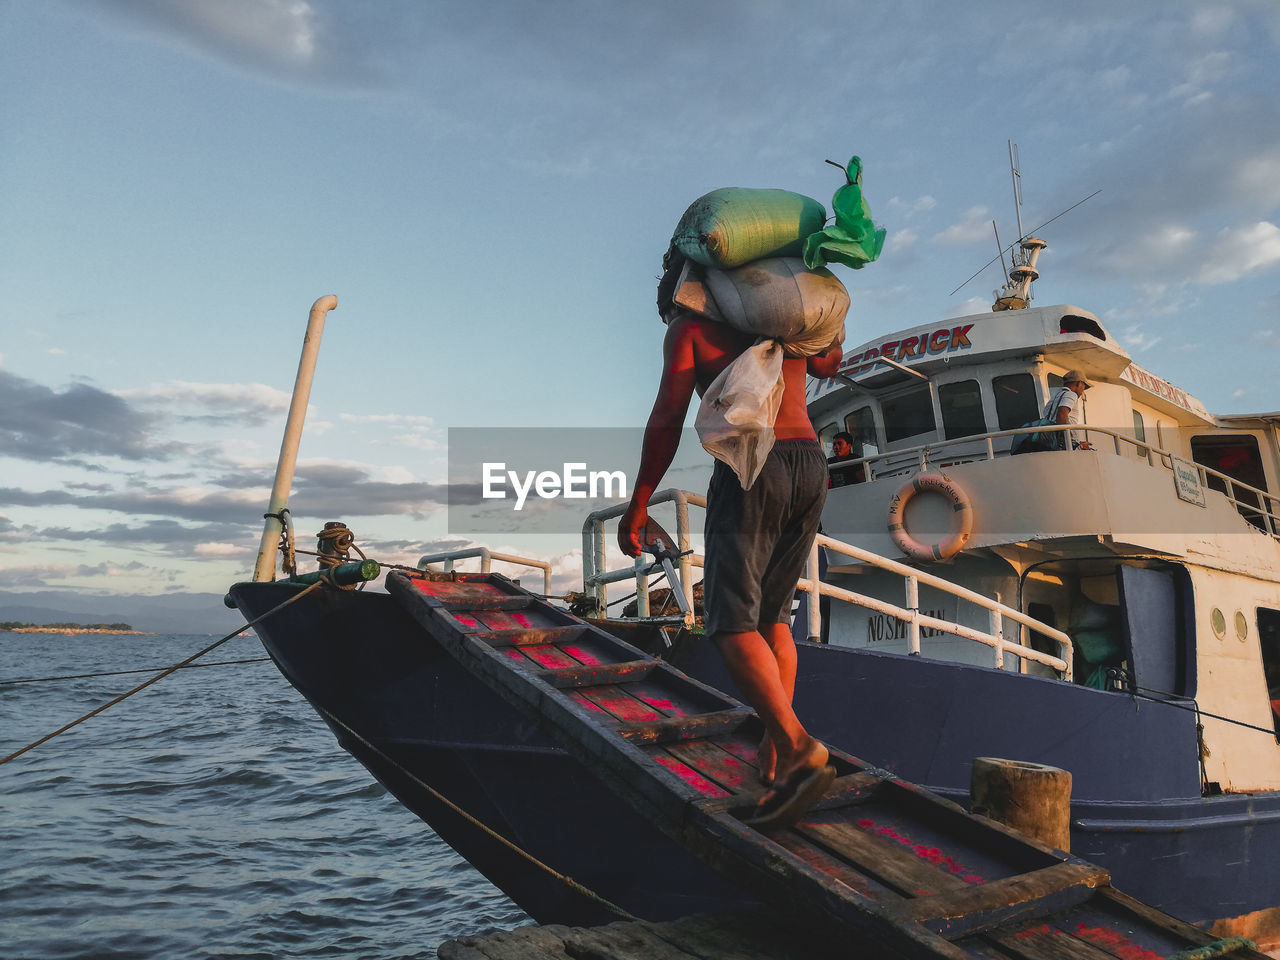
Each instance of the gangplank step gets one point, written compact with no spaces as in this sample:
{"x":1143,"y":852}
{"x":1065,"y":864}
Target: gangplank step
{"x":878,"y":862}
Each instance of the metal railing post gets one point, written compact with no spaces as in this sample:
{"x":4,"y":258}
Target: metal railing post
{"x":913,"y":605}
{"x":814,"y":604}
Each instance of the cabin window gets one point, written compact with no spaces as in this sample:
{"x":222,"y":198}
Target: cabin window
{"x":908,"y":414}
{"x":1139,"y":428}
{"x":1269,"y":637}
{"x":861,"y":425}
{"x":1236,"y":456}
{"x":961,"y":409}
{"x":826,"y":434}
{"x":1016,"y":401}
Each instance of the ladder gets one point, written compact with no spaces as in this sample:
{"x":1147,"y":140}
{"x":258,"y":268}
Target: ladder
{"x":878,"y":860}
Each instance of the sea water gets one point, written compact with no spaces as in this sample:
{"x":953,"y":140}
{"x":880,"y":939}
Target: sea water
{"x":210,"y":815}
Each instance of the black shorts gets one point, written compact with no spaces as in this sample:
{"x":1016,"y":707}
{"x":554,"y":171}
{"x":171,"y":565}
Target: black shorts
{"x":757,"y":540}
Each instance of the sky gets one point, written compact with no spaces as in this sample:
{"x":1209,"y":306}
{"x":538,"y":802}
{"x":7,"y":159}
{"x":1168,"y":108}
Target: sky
{"x":488,"y":190}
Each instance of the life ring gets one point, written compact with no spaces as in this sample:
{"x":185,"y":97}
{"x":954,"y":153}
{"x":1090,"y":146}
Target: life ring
{"x":930,"y":483}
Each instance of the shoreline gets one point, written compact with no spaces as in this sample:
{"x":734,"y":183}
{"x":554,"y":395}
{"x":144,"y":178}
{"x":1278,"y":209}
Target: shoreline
{"x":70,"y":631}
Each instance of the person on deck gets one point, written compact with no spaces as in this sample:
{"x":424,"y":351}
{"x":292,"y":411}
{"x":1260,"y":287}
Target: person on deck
{"x":757,"y":541}
{"x":842,"y":449}
{"x":1064,"y":408}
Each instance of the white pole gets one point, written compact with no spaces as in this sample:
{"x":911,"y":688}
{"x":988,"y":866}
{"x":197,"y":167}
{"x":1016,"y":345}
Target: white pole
{"x":266,"y":565}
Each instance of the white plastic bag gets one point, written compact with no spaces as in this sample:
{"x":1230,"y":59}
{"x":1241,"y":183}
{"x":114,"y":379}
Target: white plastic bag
{"x":735,"y":419}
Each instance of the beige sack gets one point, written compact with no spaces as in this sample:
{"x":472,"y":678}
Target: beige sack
{"x":781,"y":298}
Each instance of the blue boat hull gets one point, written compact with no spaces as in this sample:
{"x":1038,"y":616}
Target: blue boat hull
{"x":420,"y":724}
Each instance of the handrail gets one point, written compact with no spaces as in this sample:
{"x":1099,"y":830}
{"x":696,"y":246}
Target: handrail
{"x":1266,"y":509}
{"x":595,"y":580}
{"x":487,"y":557}
{"x":997,"y":611}
{"x":595,"y":576}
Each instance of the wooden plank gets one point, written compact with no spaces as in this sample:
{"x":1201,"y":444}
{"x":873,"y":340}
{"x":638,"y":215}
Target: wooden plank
{"x":620,"y":704}
{"x":881,"y":857}
{"x":473,"y":605}
{"x":674,"y":729}
{"x":718,"y":764}
{"x":584,"y":675}
{"x":690,"y":775}
{"x":1043,"y":941}
{"x":821,"y":859}
{"x":534,"y":636}
{"x":844,"y":791}
{"x":981,"y":907}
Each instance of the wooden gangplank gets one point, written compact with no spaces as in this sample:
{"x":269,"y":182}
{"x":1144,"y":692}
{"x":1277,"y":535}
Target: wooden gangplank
{"x":878,"y":862}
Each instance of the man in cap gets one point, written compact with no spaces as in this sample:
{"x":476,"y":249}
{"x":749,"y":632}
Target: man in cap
{"x":1064,"y":407}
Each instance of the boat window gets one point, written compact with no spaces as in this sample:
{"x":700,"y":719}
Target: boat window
{"x":1016,"y":401}
{"x":1139,"y":428}
{"x":1237,"y":456}
{"x":826,"y":433}
{"x":1269,"y":636}
{"x":908,"y":415}
{"x":861,"y":424}
{"x":961,"y":409}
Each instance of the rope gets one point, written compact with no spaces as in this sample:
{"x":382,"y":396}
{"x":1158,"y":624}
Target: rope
{"x":572,"y":884}
{"x":1194,"y":708}
{"x":1219,"y":948}
{"x":120,"y":673}
{"x":289,"y":559}
{"x":160,"y":676}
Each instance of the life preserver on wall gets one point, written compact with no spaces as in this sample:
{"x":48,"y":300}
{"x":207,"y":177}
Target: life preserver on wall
{"x":930,"y":483}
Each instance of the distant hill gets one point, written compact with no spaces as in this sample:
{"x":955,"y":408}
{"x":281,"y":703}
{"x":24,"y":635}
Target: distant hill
{"x":200,"y":613}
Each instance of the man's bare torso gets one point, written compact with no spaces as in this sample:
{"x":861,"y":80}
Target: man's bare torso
{"x":715,"y":345}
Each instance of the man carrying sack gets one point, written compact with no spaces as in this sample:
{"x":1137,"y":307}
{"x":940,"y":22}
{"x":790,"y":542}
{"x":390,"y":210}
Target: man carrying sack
{"x":762,"y":510}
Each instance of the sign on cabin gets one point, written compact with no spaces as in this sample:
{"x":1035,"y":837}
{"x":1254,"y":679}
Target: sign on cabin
{"x":1186,"y":480}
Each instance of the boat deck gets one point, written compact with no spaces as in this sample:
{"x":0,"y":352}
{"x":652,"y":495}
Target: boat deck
{"x":878,"y":861}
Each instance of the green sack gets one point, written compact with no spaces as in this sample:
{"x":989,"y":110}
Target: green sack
{"x":732,"y":226}
{"x":853,"y":239}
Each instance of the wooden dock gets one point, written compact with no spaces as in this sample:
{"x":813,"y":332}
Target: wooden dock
{"x":879,"y":864}
{"x":737,"y":936}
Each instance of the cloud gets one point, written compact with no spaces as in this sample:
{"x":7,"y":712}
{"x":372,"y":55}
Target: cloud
{"x":223,"y":549}
{"x":900,"y":241}
{"x":1240,"y":252}
{"x":283,"y":38}
{"x":974,"y":226}
{"x":908,"y":208}
{"x":243,"y":404}
{"x":37,"y":423}
{"x":1136,"y":339}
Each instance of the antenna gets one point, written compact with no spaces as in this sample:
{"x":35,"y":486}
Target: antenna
{"x":1011,"y":246}
{"x":999,"y":254}
{"x":1014,"y":164}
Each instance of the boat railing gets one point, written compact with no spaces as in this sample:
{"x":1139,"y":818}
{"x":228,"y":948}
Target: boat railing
{"x":487,"y":557}
{"x":596,"y":578}
{"x":1259,"y":507}
{"x":997,"y":613}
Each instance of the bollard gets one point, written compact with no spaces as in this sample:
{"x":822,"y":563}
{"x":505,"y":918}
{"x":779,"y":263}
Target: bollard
{"x":1029,"y":797}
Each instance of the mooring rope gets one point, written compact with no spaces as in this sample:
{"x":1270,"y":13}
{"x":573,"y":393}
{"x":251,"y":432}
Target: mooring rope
{"x":121,"y":673}
{"x":1219,"y":948}
{"x":515,"y":848}
{"x":1175,"y":700}
{"x":164,"y":673}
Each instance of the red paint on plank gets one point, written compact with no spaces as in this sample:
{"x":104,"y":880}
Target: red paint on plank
{"x":1115,"y":943}
{"x":512,"y":652}
{"x":622,"y":705}
{"x":583,"y":701}
{"x":522,"y":619}
{"x":663,"y":704}
{"x":928,"y":854}
{"x":466,"y":621}
{"x":546,"y":656}
{"x":692,"y":777}
{"x":582,"y":656}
